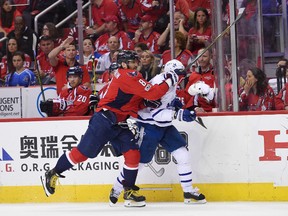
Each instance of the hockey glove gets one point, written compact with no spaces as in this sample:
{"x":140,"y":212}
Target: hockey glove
{"x":185,"y":115}
{"x":152,"y":103}
{"x":94,"y":100}
{"x":176,"y":104}
{"x":61,"y":104}
{"x":47,"y":107}
{"x":172,"y":76}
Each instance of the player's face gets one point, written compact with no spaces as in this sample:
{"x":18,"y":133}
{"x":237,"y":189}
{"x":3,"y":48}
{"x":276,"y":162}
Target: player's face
{"x":74,"y":80}
{"x":18,"y":62}
{"x":132,"y":64}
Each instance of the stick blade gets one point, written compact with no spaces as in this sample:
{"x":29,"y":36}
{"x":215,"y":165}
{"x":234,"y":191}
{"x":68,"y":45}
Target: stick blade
{"x":240,"y":12}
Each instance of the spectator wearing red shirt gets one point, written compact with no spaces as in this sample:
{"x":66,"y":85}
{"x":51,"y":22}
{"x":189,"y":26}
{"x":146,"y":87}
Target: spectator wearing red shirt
{"x":130,"y":14}
{"x":179,"y":25}
{"x":44,"y":67}
{"x":183,"y":7}
{"x":7,"y":16}
{"x":112,"y":29}
{"x":194,"y":4}
{"x":256,"y":94}
{"x":204,"y":73}
{"x":154,"y":8}
{"x":181,"y":53}
{"x":146,"y":34}
{"x":199,"y":35}
{"x":100,"y":10}
{"x":61,"y":65}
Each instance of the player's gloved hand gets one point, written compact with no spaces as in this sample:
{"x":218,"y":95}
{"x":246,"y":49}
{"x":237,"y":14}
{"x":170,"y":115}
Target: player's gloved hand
{"x":172,"y":76}
{"x":152,"y":103}
{"x":176,"y":104}
{"x":94,"y":99}
{"x":185,"y":115}
{"x":47,"y":107}
{"x":60,"y":103}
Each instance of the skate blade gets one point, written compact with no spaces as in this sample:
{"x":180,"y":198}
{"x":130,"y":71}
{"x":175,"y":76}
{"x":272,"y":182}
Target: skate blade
{"x":131,"y":203}
{"x":192,"y":201}
{"x":45,"y":189}
{"x":111,"y":204}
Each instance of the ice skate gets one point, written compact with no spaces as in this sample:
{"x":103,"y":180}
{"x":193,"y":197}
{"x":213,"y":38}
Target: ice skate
{"x":194,"y":197}
{"x":49,"y":181}
{"x":132,"y":198}
{"x":113,"y":197}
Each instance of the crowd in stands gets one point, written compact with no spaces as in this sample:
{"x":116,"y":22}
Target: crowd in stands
{"x":141,"y":26}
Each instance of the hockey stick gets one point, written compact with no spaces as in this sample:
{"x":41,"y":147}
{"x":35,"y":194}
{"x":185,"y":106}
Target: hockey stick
{"x":39,"y":77}
{"x":94,"y":72}
{"x":158,"y":173}
{"x":200,"y":122}
{"x":239,"y":16}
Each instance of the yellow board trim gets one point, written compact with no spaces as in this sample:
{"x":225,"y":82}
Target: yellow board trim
{"x":153,"y":193}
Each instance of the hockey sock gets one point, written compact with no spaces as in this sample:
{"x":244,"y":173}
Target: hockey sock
{"x":184,"y":168}
{"x":130,"y":176}
{"x":118,"y":186}
{"x":63,"y":164}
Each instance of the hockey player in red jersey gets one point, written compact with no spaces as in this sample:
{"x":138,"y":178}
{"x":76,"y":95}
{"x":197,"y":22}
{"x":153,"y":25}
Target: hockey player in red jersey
{"x":122,"y":98}
{"x":72,"y":101}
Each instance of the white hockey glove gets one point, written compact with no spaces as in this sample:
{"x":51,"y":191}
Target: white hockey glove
{"x":171,"y":78}
{"x":60,"y":103}
{"x":185,"y":115}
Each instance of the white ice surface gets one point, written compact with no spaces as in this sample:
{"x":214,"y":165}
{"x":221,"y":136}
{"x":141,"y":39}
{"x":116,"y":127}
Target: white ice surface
{"x":151,"y":209}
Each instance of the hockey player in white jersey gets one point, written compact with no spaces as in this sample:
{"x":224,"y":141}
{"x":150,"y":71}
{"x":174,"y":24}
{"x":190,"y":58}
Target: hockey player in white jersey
{"x":155,"y":126}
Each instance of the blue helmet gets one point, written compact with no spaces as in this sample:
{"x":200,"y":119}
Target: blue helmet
{"x":75,"y":71}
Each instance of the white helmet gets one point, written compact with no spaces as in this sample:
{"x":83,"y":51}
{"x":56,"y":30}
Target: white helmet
{"x":174,"y":66}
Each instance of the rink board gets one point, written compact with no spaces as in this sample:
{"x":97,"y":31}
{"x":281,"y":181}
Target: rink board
{"x":238,"y":158}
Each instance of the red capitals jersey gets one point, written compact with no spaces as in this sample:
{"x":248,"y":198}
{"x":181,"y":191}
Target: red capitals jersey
{"x":107,"y":7}
{"x":4,"y":66}
{"x":131,"y":15}
{"x":101,"y":43}
{"x":151,"y":42}
{"x":77,"y":100}
{"x":195,"y":45}
{"x":253,"y":102}
{"x":125,"y":92}
{"x":185,"y":57}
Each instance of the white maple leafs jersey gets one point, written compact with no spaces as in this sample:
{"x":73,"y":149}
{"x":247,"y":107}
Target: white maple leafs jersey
{"x":163,"y":115}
